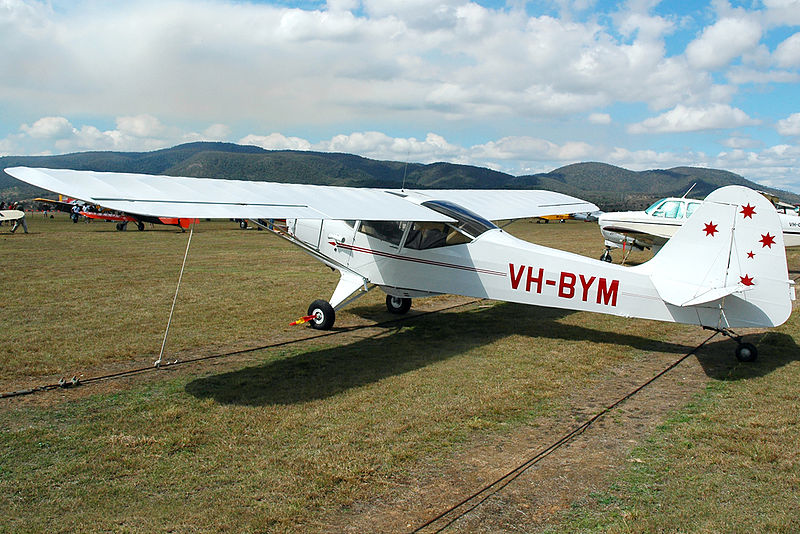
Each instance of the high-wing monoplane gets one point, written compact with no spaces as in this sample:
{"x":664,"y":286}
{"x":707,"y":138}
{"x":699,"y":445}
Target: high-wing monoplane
{"x":651,"y":228}
{"x":78,"y":208}
{"x":122,"y":220}
{"x":724,"y":268}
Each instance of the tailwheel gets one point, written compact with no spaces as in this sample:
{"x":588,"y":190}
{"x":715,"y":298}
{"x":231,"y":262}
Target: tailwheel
{"x":323,"y":315}
{"x":746,"y":352}
{"x":398,"y":305}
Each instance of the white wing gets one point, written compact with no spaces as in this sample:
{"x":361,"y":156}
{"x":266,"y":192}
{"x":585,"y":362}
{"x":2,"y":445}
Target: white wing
{"x":503,"y":204}
{"x":170,"y":196}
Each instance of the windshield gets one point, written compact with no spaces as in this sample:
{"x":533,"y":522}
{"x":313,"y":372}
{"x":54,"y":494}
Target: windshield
{"x":653,"y":206}
{"x":467,"y":221}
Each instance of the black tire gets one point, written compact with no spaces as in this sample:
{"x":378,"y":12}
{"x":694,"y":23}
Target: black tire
{"x":746,"y":352}
{"x":243,"y":224}
{"x":324,"y":315}
{"x":606,"y":257}
{"x":140,"y":226}
{"x":120,"y":227}
{"x":398,"y":305}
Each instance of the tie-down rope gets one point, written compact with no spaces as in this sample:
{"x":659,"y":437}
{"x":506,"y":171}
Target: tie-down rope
{"x":157,"y":363}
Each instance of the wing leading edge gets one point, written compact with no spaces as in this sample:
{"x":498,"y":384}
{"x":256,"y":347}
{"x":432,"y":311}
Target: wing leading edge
{"x":170,"y":196}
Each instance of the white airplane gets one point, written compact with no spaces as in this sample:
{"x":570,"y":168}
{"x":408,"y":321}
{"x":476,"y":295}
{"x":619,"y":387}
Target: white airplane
{"x":654,"y":226}
{"x":725,"y":268}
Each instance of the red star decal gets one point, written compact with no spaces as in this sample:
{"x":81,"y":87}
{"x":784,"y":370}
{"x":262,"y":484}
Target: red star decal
{"x":710,"y":228}
{"x":746,"y":280}
{"x":767,"y":240}
{"x":751,"y":255}
{"x":748,"y":211}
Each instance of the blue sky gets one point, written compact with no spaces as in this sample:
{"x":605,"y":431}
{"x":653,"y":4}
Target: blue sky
{"x":517,"y":86}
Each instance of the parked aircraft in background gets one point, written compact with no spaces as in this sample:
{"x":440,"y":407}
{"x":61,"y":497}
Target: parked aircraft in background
{"x":11,"y":215}
{"x":77,"y":208}
{"x":651,"y":228}
{"x":63,"y":203}
{"x":725,"y":268}
{"x":122,"y":220}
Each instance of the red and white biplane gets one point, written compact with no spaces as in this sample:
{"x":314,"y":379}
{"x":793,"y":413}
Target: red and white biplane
{"x":724,"y":268}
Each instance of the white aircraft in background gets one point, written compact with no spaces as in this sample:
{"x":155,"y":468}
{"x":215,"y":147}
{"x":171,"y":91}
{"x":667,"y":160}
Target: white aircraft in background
{"x":11,"y":215}
{"x":654,"y":226}
{"x":725,"y":268}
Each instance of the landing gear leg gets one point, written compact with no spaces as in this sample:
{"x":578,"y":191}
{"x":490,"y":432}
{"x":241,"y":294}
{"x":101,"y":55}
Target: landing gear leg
{"x":745,"y":352}
{"x":606,"y":255}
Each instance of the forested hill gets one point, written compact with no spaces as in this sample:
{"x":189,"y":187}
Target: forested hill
{"x":608,"y":186}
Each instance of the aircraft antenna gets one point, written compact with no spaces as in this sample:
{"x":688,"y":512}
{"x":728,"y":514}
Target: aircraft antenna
{"x":689,"y":191}
{"x":405,"y":170}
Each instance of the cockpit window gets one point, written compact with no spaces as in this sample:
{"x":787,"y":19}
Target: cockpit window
{"x":467,"y":226}
{"x":467,"y":221}
{"x":690,"y":207}
{"x":389,"y":231}
{"x":425,"y":235}
{"x":671,"y":209}
{"x":653,"y":206}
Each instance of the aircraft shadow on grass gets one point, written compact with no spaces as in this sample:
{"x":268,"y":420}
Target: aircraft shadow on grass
{"x":322,"y":373}
{"x":776,"y":349}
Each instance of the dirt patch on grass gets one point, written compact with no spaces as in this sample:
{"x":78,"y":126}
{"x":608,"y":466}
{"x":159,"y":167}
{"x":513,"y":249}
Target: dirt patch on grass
{"x":534,"y":500}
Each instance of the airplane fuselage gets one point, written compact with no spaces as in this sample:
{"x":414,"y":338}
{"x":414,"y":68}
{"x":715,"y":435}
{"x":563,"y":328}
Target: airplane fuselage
{"x":499,"y":266}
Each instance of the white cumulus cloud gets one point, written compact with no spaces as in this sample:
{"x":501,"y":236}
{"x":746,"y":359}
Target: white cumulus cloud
{"x":790,"y":125}
{"x":275,"y":141}
{"x":724,"y":41}
{"x":600,"y":118}
{"x":787,"y":54}
{"x":692,"y":119}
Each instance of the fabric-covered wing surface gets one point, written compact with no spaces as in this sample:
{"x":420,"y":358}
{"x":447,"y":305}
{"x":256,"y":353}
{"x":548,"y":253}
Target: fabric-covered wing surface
{"x":171,"y":196}
{"x":500,"y":204}
{"x":168,"y":196}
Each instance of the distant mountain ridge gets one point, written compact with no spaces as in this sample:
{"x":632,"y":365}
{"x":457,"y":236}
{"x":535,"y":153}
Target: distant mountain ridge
{"x":608,"y":186}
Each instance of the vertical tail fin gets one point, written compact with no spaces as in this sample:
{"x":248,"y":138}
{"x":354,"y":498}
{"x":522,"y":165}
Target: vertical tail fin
{"x":728,"y":261}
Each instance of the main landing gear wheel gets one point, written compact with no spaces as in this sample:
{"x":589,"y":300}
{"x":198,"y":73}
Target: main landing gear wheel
{"x":140,"y":226}
{"x":746,"y":352}
{"x":243,"y":224}
{"x":606,"y":256}
{"x":121,"y":226}
{"x":398,"y":305}
{"x":324,"y":315}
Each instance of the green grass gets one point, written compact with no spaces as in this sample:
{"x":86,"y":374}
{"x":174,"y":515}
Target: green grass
{"x":727,"y":462}
{"x":285,"y":440}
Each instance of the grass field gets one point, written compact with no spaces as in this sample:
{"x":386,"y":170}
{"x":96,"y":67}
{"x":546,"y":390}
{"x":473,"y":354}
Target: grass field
{"x":298,"y":438}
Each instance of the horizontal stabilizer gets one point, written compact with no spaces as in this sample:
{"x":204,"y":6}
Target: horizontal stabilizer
{"x":712,"y":294}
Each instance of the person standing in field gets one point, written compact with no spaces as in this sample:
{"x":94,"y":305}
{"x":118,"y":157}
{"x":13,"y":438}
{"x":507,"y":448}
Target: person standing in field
{"x":20,"y":221}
